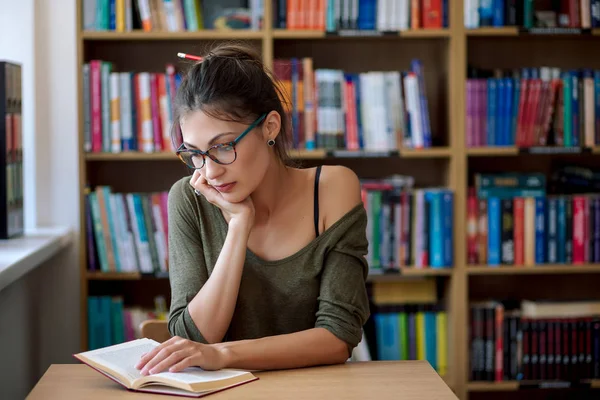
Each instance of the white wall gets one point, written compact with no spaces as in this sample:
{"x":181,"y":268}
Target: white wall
{"x":39,"y":314}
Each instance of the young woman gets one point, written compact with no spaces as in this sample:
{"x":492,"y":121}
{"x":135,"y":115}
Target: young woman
{"x":266,"y":261}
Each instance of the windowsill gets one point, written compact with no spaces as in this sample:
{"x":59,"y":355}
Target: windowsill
{"x":20,"y":255}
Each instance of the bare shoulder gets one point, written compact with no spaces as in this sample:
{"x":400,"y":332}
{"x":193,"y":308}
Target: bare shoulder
{"x":339,"y":192}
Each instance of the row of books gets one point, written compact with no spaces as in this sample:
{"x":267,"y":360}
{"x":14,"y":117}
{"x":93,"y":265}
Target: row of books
{"x":171,"y":15}
{"x":333,"y":109}
{"x":110,"y":322}
{"x":411,"y":332}
{"x":363,"y":15}
{"x":126,"y":232}
{"x":534,"y":341}
{"x":533,"y":107}
{"x":532,"y":14}
{"x":126,"y":111}
{"x":12,"y":222}
{"x":513,"y":221}
{"x":406,"y":226}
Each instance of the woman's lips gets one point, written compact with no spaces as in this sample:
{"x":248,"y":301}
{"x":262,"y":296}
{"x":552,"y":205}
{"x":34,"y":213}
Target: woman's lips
{"x":225,"y":188}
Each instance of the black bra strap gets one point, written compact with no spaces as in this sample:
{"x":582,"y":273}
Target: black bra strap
{"x":316,"y":200}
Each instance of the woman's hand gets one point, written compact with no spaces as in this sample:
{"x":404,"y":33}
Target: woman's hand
{"x":242,"y":211}
{"x":177,"y":354}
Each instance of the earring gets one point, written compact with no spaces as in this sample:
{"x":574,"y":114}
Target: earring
{"x":271,"y":142}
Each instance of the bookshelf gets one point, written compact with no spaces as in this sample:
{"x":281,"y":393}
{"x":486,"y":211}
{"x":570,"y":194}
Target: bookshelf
{"x":445,"y":53}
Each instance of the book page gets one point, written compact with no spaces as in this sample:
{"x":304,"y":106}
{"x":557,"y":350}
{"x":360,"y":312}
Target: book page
{"x":123,"y":358}
{"x":198,"y":375}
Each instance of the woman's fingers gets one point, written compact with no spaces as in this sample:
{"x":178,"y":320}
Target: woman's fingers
{"x":190,"y":361}
{"x":151,"y":354}
{"x":171,"y":359}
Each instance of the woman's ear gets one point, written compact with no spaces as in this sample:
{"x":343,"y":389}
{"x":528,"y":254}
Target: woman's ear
{"x":271,"y":126}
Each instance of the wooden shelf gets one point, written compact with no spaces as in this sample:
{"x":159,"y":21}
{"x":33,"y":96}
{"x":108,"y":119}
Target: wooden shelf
{"x":114,"y":276}
{"x":299,"y":34}
{"x":511,"y":386}
{"x":431,"y":152}
{"x":491,"y":31}
{"x":503,"y":386}
{"x":425,"y":33}
{"x":196,"y":35}
{"x":130,"y":156}
{"x":547,"y":269}
{"x":409,"y":273}
{"x":492,"y":151}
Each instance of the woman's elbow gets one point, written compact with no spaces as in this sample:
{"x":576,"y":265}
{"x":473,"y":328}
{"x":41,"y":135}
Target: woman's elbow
{"x":340,"y":352}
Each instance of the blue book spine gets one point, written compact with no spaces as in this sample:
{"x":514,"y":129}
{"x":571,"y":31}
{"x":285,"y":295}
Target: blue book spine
{"x":540,"y":230}
{"x":417,"y":68}
{"x":494,"y":231}
{"x":92,"y":305}
{"x":448,"y":205}
{"x":106,"y":321}
{"x":436,"y":248}
{"x":366,"y":14}
{"x":595,"y":11}
{"x":133,"y":141}
{"x":561,"y":229}
{"x":508,"y":110}
{"x":381,"y":336}
{"x":498,"y":17}
{"x":486,"y":12}
{"x":575,"y":107}
{"x":552,"y":230}
{"x":491,"y":111}
{"x":430,"y":338}
{"x":112,"y":18}
{"x":500,"y":109}
{"x":282,"y":13}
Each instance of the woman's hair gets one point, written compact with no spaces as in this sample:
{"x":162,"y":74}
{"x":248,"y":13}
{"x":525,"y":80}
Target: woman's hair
{"x":232,"y":84}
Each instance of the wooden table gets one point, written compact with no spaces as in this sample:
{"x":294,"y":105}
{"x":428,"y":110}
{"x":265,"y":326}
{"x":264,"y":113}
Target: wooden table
{"x":380,"y":380}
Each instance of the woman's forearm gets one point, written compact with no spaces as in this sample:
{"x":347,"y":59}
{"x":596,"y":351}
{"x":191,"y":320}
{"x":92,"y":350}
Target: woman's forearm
{"x":316,"y":346}
{"x":212,"y":308}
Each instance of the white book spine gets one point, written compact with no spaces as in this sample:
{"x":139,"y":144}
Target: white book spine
{"x":126,"y":117}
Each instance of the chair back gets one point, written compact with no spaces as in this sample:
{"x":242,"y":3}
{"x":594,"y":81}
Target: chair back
{"x":155,"y":329}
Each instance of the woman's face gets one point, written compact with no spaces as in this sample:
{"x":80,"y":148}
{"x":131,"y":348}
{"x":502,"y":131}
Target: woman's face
{"x":235,"y":181}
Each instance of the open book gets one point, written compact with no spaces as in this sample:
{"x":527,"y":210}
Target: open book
{"x":118,"y":363}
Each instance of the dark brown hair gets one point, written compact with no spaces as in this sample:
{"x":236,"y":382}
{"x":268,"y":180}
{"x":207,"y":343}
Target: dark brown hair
{"x":232,"y":84}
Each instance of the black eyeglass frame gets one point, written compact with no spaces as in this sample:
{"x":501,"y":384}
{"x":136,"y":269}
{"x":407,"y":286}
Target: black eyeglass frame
{"x":182,"y":149}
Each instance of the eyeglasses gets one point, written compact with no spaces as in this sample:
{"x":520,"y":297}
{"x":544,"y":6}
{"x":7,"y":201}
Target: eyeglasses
{"x":222,"y":153}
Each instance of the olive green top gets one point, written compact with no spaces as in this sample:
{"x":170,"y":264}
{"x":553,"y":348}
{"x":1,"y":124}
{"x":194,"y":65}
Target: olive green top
{"x":321,"y":285}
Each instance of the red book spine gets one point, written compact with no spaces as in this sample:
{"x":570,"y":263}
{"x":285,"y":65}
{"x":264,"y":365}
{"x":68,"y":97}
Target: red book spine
{"x":579,"y":229}
{"x":155,"y":110}
{"x":482,"y":230}
{"x":519,"y":221}
{"x":520,"y":134}
{"x":432,"y":13}
{"x":499,"y":342}
{"x":96,"y":105}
